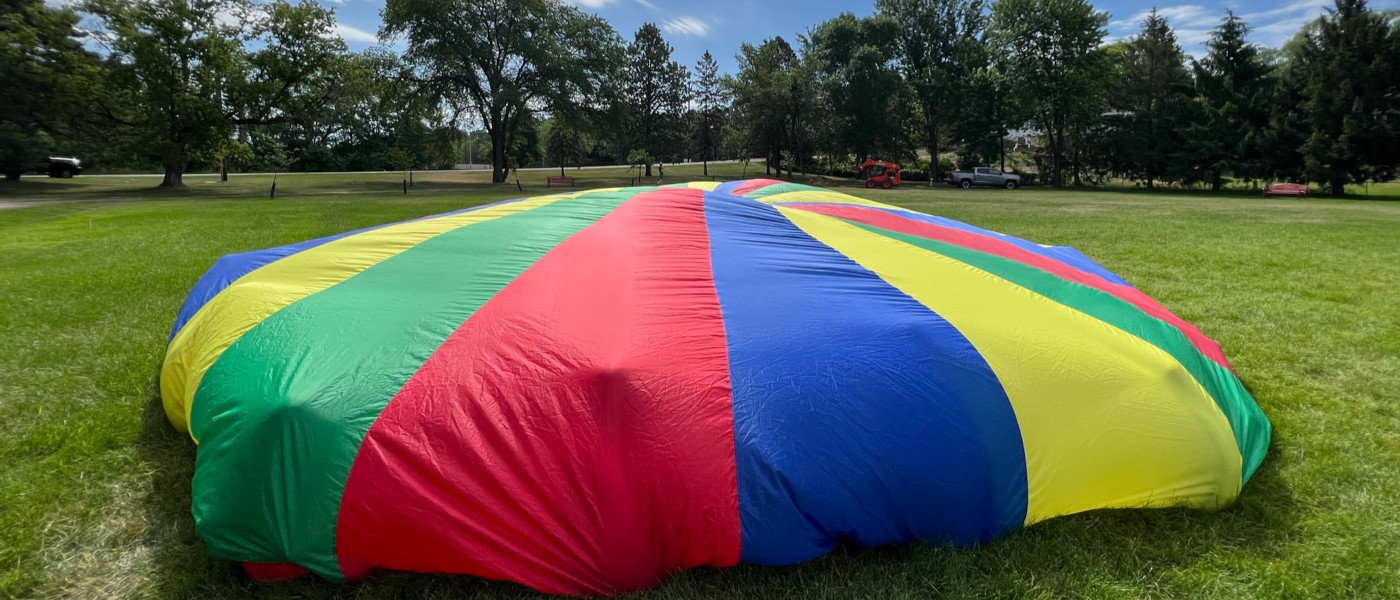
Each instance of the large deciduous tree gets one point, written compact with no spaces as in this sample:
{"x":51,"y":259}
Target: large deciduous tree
{"x":1350,"y":66}
{"x":941,"y":49}
{"x":853,"y":59}
{"x":507,"y":60}
{"x":656,"y":90}
{"x":1050,"y":49}
{"x":47,"y":78}
{"x":188,"y":71}
{"x":774,"y":96}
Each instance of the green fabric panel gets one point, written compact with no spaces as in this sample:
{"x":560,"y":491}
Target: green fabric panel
{"x":283,"y":411}
{"x":780,"y":188}
{"x":1247,"y":421}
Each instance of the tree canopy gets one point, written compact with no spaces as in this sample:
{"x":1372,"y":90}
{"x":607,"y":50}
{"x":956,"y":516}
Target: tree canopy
{"x":506,"y":59}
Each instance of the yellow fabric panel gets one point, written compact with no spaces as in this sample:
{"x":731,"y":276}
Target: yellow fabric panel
{"x":258,"y":294}
{"x":1107,"y":420}
{"x":822,"y":196}
{"x":702,"y":185}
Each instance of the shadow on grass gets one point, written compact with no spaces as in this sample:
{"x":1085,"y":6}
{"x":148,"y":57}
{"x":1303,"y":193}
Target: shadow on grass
{"x":1068,"y":556}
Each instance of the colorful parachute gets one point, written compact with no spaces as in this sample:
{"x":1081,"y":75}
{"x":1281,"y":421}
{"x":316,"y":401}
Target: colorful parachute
{"x":586,"y":392}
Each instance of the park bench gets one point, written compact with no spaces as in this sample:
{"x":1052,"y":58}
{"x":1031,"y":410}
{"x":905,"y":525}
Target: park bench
{"x":559,"y":179}
{"x":1287,"y":189}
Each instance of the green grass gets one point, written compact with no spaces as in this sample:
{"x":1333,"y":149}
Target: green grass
{"x":94,"y":491}
{"x":301,"y":185}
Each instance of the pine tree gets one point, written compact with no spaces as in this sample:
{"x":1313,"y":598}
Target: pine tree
{"x":1350,"y":67}
{"x":1233,"y":95}
{"x":656,"y":89}
{"x":1155,"y":97}
{"x":710,"y":101}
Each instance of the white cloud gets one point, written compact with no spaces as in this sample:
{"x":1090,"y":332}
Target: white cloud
{"x":686,"y":26}
{"x":351,"y":34}
{"x":1187,"y":15}
{"x":1301,"y":6}
{"x":1192,"y":37}
{"x":597,"y":4}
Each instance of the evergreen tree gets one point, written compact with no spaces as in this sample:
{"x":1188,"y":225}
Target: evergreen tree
{"x":656,"y":90}
{"x":710,"y":101}
{"x":1233,"y":95}
{"x":1155,"y":99}
{"x":1350,"y":66}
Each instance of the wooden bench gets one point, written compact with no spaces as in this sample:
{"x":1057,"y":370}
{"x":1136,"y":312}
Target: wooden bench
{"x":1299,"y":190}
{"x":559,"y":179}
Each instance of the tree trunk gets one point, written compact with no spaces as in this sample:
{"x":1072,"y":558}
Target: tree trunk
{"x":932,"y":152}
{"x":705,"y":165}
{"x":1215,"y":182}
{"x":12,"y":175}
{"x":1339,"y":187}
{"x":1002,"y":149}
{"x":648,"y":168}
{"x":174,"y":176}
{"x":498,"y":154}
{"x":223,"y":168}
{"x":1057,"y":151}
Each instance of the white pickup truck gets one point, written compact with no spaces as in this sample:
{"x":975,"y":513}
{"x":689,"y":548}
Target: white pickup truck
{"x":984,"y":176}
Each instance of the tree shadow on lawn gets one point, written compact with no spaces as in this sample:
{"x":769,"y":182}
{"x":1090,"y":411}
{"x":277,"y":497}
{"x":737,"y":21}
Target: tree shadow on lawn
{"x":1071,"y":555}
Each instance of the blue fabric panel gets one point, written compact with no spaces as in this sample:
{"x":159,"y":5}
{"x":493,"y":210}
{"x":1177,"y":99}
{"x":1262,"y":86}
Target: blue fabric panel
{"x":230,"y":267}
{"x":728,"y":186}
{"x":859,"y":414}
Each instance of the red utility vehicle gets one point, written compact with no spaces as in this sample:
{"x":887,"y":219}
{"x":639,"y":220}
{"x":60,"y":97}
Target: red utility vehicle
{"x":878,"y":173}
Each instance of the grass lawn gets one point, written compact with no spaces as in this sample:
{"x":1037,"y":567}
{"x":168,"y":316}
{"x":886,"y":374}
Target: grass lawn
{"x":1303,"y":295}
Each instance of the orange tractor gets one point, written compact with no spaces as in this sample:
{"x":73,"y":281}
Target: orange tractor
{"x":878,"y":173}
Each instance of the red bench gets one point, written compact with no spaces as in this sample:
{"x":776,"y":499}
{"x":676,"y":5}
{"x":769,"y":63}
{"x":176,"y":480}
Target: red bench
{"x":559,"y":179}
{"x":1299,"y":190}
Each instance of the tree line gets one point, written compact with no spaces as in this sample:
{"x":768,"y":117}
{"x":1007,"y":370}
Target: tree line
{"x":233,"y":84}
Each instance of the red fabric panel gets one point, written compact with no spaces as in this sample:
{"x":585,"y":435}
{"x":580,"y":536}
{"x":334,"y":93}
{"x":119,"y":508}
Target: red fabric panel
{"x":753,"y":184}
{"x":993,"y":246}
{"x":273,"y":571}
{"x":576,"y":433}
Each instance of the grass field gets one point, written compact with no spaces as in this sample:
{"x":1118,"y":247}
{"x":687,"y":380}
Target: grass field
{"x":1303,"y":295}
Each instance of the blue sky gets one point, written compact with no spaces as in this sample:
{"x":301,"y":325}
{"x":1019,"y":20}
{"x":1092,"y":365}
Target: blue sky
{"x":721,"y":25}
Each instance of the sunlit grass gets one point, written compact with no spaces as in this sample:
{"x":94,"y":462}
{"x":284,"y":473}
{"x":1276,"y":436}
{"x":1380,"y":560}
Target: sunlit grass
{"x":1303,"y":295}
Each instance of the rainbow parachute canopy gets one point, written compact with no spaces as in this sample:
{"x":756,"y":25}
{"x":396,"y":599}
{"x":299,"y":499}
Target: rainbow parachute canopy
{"x":586,"y":392}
